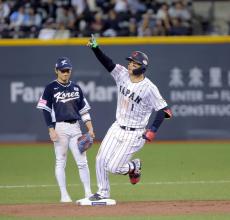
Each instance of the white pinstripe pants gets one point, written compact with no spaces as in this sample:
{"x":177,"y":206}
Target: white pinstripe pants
{"x":116,"y":150}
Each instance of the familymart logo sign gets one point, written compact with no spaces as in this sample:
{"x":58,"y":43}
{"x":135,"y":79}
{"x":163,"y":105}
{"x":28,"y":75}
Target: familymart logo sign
{"x":20,"y":92}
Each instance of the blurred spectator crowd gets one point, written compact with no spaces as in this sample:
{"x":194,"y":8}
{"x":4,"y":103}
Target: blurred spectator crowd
{"x":50,"y":19}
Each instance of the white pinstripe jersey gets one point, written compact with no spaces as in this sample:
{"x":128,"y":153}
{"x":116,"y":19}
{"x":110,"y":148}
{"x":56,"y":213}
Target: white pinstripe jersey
{"x":136,"y":101}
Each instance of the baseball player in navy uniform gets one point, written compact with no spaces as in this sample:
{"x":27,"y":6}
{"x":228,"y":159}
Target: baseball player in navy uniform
{"x":64,"y":105}
{"x":137,"y":98}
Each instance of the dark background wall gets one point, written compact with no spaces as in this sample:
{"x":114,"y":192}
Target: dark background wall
{"x":193,"y":78}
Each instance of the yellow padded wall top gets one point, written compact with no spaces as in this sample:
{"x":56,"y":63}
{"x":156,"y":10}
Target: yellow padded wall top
{"x":118,"y":41}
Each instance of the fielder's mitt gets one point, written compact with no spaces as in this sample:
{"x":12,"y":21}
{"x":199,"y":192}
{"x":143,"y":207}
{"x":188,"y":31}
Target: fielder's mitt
{"x":84,"y":142}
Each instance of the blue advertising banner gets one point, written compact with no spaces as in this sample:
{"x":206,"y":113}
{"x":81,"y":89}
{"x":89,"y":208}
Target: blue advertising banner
{"x":193,"y":78}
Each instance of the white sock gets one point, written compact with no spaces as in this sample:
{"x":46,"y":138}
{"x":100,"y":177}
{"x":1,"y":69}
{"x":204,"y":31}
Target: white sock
{"x":131,"y":166}
{"x":64,"y":192}
{"x":85,"y":179}
{"x":61,"y":179}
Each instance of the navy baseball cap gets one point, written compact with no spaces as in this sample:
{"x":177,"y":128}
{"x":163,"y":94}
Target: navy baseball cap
{"x":63,"y":63}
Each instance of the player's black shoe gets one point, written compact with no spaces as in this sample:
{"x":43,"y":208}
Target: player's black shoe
{"x":96,"y":197}
{"x":135,"y":174}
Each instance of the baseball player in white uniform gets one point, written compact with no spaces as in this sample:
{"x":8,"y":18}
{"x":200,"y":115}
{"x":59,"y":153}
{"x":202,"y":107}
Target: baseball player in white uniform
{"x":63,"y":105}
{"x":137,"y":98}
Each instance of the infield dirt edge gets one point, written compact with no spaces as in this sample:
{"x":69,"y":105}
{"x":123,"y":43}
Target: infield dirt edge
{"x":145,"y":208}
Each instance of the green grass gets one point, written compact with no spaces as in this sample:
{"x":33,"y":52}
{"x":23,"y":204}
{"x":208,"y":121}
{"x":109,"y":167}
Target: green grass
{"x":189,"y":171}
{"x":187,"y":217}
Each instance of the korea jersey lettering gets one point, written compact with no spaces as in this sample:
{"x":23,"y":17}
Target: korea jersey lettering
{"x":136,"y":101}
{"x":64,"y":102}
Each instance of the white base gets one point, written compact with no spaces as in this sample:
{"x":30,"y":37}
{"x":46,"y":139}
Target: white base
{"x":100,"y":202}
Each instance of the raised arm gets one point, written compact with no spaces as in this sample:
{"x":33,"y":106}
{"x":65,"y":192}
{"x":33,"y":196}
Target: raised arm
{"x":105,"y":60}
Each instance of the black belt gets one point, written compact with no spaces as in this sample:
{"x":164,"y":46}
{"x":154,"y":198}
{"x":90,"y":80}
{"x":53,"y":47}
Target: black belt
{"x":127,"y":128}
{"x":71,"y":121}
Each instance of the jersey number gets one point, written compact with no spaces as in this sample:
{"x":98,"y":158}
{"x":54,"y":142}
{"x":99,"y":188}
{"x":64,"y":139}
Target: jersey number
{"x":132,"y":107}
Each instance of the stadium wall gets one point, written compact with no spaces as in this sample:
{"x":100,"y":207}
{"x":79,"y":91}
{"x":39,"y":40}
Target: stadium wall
{"x":192,"y":73}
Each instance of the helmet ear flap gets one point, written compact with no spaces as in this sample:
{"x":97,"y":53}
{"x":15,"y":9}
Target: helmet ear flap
{"x":139,"y":70}
{"x":143,"y":69}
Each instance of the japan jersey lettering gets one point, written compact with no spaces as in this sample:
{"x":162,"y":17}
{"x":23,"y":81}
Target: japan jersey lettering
{"x":136,"y":101}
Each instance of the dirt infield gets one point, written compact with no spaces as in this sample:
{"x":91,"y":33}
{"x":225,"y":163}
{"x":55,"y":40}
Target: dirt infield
{"x":121,"y":209}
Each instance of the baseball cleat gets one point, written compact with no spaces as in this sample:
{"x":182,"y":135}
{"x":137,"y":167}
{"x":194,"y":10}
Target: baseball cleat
{"x":88,"y":195}
{"x":96,"y":197}
{"x":65,"y":199}
{"x":135,"y":174}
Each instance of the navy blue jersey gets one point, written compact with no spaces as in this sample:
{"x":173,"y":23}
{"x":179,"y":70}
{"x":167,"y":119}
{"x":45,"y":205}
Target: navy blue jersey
{"x":64,"y":102}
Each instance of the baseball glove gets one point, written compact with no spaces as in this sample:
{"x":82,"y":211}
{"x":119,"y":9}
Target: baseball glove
{"x":84,"y":142}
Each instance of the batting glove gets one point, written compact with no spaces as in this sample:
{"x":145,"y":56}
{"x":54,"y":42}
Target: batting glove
{"x":149,"y":135}
{"x":92,"y":42}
